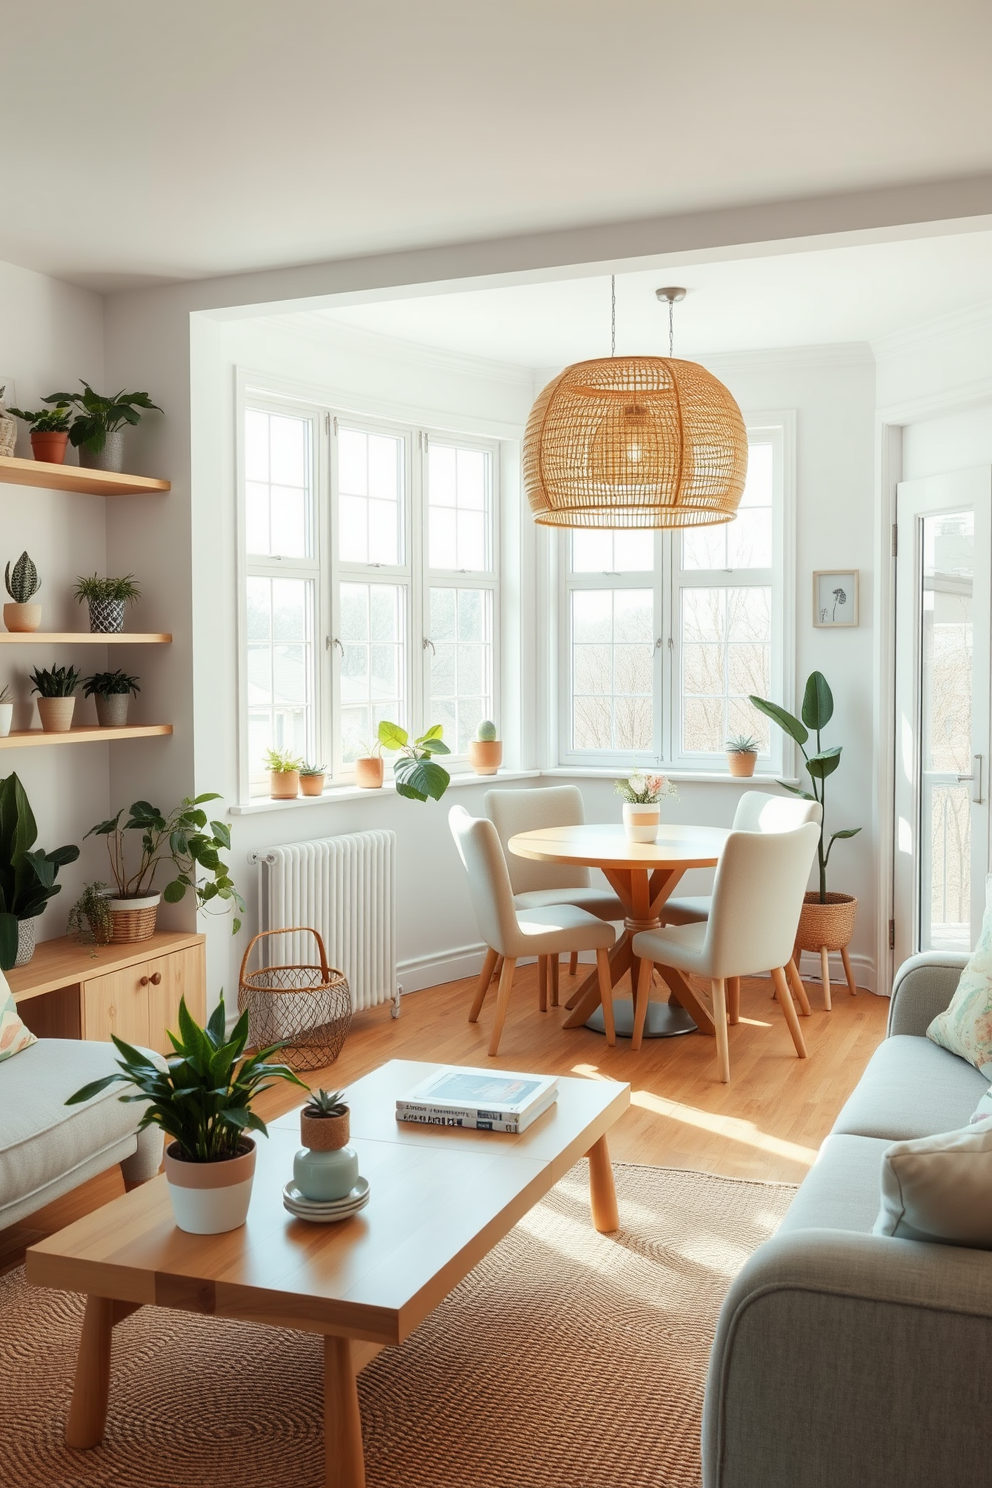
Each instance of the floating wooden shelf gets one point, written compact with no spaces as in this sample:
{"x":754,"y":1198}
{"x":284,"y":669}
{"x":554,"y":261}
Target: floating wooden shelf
{"x":15,"y":472}
{"x":88,"y":734}
{"x":84,"y":638}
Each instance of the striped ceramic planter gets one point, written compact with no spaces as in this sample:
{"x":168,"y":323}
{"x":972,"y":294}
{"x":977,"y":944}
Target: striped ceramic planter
{"x":209,"y":1198}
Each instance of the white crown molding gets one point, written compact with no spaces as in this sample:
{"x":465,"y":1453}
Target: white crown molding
{"x":925,"y":333}
{"x":790,"y":358}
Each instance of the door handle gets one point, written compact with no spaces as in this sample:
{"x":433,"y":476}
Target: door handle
{"x":155,"y":979}
{"x":976,"y":776}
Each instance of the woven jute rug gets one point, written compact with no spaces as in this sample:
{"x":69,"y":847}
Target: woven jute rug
{"x":567,"y":1359}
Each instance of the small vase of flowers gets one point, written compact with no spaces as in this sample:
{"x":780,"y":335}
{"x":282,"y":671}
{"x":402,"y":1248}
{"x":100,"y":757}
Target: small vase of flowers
{"x":642,"y":796}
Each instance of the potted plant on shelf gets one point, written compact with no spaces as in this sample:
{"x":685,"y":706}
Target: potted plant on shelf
{"x":27,"y":877}
{"x":416,"y":773}
{"x":312,"y":779}
{"x":742,"y":754}
{"x":827,"y":919}
{"x":112,"y":691}
{"x":98,"y":428}
{"x":485,"y":752}
{"x":89,"y":920}
{"x":56,"y":687}
{"x":370,"y":766}
{"x":326,"y":1168}
{"x":642,"y":796}
{"x":8,"y":429}
{"x":6,"y":710}
{"x":203,"y":1103}
{"x":284,"y":774}
{"x":49,"y":430}
{"x":22,"y":582}
{"x":180,"y":840}
{"x":106,"y":599}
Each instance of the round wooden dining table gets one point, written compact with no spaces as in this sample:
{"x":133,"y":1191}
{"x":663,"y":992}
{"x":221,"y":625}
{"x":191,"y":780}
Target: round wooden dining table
{"x":643,"y":875}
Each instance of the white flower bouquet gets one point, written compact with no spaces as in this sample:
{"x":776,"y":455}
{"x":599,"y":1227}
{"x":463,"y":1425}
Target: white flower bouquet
{"x":643,"y":789}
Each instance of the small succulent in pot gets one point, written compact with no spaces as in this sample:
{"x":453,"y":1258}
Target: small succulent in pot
{"x":49,"y":429}
{"x":22,"y":583}
{"x":284,"y":774}
{"x":485,"y":751}
{"x":312,"y":779}
{"x":112,"y":691}
{"x":56,"y":687}
{"x":98,"y":428}
{"x":742,"y":753}
{"x":106,"y":599}
{"x":325,"y":1121}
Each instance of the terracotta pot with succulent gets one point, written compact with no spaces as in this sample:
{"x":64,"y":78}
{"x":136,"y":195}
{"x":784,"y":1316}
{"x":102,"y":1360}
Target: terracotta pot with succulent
{"x":56,"y":688}
{"x":106,"y":599}
{"x":27,"y":874}
{"x":326,"y":1168}
{"x":89,"y":921}
{"x":6,"y":711}
{"x":98,"y":428}
{"x":22,"y":582}
{"x":284,"y":774}
{"x":742,"y":754}
{"x":112,"y":691}
{"x":370,"y":766}
{"x":642,"y":796}
{"x":485,"y":752}
{"x":49,"y":430}
{"x":312,"y":779}
{"x":203,"y":1103}
{"x":185,"y":841}
{"x":417,"y":774}
{"x":8,"y":429}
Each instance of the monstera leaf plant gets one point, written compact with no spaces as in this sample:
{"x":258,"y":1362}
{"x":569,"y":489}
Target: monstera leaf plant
{"x":27,"y":873}
{"x":416,"y":773}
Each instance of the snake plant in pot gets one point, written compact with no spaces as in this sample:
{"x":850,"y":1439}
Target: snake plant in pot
{"x":27,"y":874}
{"x":22,"y":584}
{"x":56,"y":689}
{"x":202,"y":1101}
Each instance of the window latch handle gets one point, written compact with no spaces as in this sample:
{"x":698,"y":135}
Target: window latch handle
{"x":430,"y":643}
{"x":337,"y":643}
{"x":976,"y":776}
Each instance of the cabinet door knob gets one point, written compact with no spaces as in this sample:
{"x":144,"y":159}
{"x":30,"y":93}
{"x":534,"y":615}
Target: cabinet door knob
{"x":156,"y":978}
{"x":142,"y":981}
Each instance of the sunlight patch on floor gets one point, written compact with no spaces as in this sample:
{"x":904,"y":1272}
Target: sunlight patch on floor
{"x":731,"y":1127}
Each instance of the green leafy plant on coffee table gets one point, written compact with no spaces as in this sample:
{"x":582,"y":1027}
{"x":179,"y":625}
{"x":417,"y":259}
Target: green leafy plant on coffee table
{"x":22,"y":580}
{"x":99,"y":416}
{"x":204,"y":1100}
{"x":54,"y":682}
{"x":281,"y":762}
{"x":47,"y":420}
{"x":417,"y":774}
{"x":90,"y":921}
{"x":97,"y":590}
{"x":110,"y":684}
{"x":743,"y":744}
{"x":27,"y":873}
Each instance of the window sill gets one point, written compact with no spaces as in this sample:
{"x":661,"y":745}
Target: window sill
{"x":357,"y":792}
{"x":701,"y":777}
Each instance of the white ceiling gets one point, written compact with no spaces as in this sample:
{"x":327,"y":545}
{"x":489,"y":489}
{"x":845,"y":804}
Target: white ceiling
{"x":188,"y":138}
{"x":816,"y":298}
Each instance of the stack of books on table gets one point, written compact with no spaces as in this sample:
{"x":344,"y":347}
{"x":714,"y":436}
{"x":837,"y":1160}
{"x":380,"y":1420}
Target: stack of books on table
{"x":490,"y":1100}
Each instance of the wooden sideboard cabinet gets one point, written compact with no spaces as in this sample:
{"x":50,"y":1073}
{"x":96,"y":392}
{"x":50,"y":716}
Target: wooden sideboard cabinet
{"x":77,"y":991}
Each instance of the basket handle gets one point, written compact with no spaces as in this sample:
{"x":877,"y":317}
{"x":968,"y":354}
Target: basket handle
{"x":288,"y":930}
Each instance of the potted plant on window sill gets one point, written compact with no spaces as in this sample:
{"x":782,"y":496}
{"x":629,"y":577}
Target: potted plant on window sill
{"x":106,"y":599}
{"x":742,"y":755}
{"x":49,"y":430}
{"x":112,"y":691}
{"x":284,"y":774}
{"x":22,"y":582}
{"x":485,"y":751}
{"x":417,"y":774}
{"x":27,"y":878}
{"x":370,"y":767}
{"x":182,"y":840}
{"x":312,"y":780}
{"x":98,"y":428}
{"x":203,"y":1102}
{"x":56,"y":689}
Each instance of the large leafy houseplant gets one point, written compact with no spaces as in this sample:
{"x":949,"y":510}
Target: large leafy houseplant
{"x":417,"y":774}
{"x":817,"y":711}
{"x":27,"y":874}
{"x":99,"y":416}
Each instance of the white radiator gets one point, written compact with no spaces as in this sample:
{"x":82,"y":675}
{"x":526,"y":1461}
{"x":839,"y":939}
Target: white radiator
{"x":345,"y":887}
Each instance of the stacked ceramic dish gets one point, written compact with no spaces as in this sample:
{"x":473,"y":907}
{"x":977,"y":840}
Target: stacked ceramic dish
{"x":328,"y":1211}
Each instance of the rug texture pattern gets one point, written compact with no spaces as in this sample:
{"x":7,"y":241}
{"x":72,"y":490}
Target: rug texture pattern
{"x":567,"y":1359}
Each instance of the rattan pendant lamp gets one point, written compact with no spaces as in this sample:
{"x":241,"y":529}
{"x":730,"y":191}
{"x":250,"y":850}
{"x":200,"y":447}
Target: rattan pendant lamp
{"x":639,"y":441}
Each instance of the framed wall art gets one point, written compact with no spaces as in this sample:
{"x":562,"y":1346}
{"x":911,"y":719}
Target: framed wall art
{"x":835,"y":597}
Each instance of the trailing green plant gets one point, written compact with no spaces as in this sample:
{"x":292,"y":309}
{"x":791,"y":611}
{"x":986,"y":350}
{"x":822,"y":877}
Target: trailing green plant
{"x":22,"y":580}
{"x":181,"y":841}
{"x":203,"y":1099}
{"x":47,"y":420}
{"x":281,"y":762}
{"x":326,"y":1103}
{"x":743,"y":744}
{"x":99,"y":416}
{"x":313,"y":769}
{"x":486,"y":732}
{"x":417,"y":775}
{"x":90,"y":921}
{"x":109,"y":684}
{"x":55,"y":681}
{"x":27,"y":874}
{"x":817,"y":711}
{"x":123,"y":590}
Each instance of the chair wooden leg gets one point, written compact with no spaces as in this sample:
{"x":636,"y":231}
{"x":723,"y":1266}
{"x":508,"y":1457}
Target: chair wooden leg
{"x":606,"y":993}
{"x":852,"y":985}
{"x":553,"y":978}
{"x":719,"y":994}
{"x":825,"y":973}
{"x":734,"y":999}
{"x":542,"y":983}
{"x":497,"y":969}
{"x":799,"y":991}
{"x":642,"y":994}
{"x":502,"y":1002}
{"x":785,"y":998}
{"x":482,"y":986}
{"x":573,"y":963}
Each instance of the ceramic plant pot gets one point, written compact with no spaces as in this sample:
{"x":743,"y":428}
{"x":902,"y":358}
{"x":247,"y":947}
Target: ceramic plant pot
{"x":21,"y":618}
{"x":210,"y":1198}
{"x":369,"y":772}
{"x":485,"y":755}
{"x":111,"y":711}
{"x":27,"y":934}
{"x":111,"y":457}
{"x":6,"y":718}
{"x":284,"y":785}
{"x":641,"y":820}
{"x":312,"y":785}
{"x":49,"y":447}
{"x":742,"y":765}
{"x":326,"y":1167}
{"x":133,"y":919}
{"x":106,"y":615}
{"x":56,"y":714}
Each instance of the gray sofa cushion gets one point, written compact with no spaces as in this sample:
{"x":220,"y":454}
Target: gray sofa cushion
{"x":841,"y":1189}
{"x":911,"y":1088}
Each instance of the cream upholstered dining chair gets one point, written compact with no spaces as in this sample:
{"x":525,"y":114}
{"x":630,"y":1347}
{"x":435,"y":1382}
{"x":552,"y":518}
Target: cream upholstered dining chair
{"x":537,"y":885}
{"x":757,"y":895}
{"x":513,"y":933}
{"x":757,"y":811}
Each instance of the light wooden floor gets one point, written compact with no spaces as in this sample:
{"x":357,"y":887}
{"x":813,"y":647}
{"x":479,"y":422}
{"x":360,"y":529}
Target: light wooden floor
{"x":767,"y":1123}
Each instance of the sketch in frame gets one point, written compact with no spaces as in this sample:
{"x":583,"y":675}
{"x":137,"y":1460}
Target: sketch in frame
{"x":835,"y":597}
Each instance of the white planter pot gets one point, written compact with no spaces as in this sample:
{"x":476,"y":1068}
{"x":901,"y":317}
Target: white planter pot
{"x":6,"y":718}
{"x":641,"y":822}
{"x":210,"y":1198}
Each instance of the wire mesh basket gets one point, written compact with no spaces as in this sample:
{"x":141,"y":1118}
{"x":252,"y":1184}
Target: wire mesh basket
{"x":308,"y":1006}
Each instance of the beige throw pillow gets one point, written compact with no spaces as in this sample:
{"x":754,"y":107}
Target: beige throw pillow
{"x":965,"y":1027}
{"x":13,"y":1035}
{"x":940,"y":1188}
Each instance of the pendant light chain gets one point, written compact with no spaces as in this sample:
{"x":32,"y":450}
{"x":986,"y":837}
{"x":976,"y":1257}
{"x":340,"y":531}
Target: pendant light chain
{"x":671,"y":329}
{"x":613,"y":315}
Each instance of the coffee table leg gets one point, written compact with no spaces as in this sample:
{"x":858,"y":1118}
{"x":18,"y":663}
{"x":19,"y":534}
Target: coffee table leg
{"x":345,"y":1463}
{"x":88,"y":1411}
{"x":602,"y":1191}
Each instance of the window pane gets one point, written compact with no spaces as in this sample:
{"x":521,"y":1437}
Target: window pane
{"x":372,"y":663}
{"x":370,"y":497}
{"x":726,"y":656}
{"x":461,"y":680}
{"x":459,"y":508}
{"x":278,"y":484}
{"x":746,"y":542}
{"x":612,"y":552}
{"x":612,"y":669}
{"x":280,"y":670}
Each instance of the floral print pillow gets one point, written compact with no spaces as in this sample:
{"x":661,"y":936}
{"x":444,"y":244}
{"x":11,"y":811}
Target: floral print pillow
{"x":13,"y":1035}
{"x":966,"y":1026}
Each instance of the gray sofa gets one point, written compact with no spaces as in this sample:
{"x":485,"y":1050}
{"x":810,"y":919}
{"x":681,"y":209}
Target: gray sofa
{"x":48,"y":1148}
{"x":845,"y":1359}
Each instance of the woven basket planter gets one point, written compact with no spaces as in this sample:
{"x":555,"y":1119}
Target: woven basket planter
{"x":133,"y":919}
{"x":310,"y":1006}
{"x":826,"y":926}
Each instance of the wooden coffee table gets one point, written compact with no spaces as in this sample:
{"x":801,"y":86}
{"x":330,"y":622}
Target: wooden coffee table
{"x":441,"y":1198}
